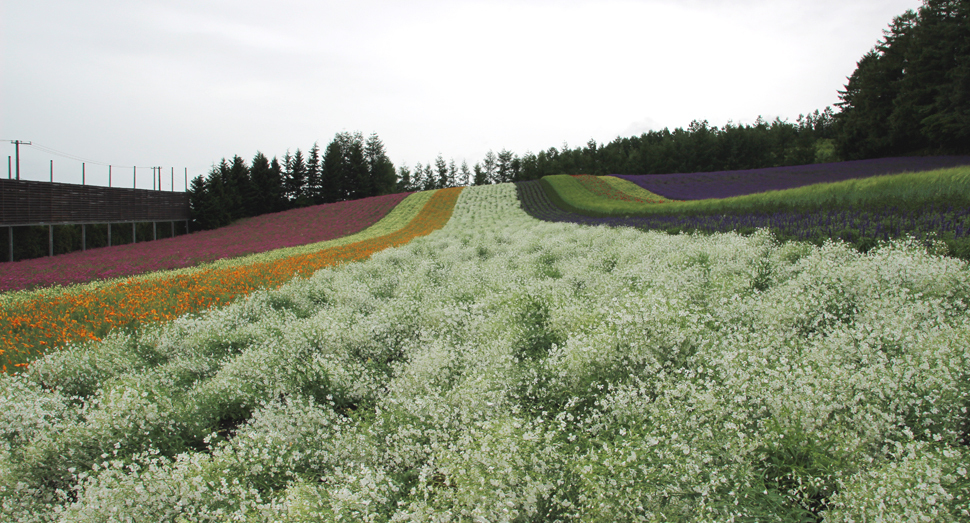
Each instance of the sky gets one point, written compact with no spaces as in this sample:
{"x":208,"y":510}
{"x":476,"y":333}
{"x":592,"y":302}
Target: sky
{"x":181,"y":84}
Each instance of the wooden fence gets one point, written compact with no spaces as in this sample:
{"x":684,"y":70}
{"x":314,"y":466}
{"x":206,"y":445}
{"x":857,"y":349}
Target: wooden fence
{"x":24,"y":202}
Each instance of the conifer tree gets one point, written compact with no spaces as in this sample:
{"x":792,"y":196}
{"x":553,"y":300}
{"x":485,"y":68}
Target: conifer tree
{"x":504,"y":167}
{"x":441,"y":172}
{"x":331,"y":174}
{"x":295,"y":182}
{"x":418,"y":182}
{"x":464,"y":175}
{"x":380,"y":169}
{"x":481,"y":177}
{"x":404,"y":183}
{"x":267,"y":186}
{"x":430,"y":180}
{"x":490,"y":166}
{"x":312,"y":189}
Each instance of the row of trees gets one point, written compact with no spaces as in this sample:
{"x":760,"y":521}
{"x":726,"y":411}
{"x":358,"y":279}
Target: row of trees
{"x":700,"y":147}
{"x":348,"y":169}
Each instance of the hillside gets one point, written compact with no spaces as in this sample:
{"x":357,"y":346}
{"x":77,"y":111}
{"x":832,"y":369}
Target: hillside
{"x":503,"y":367}
{"x":253,"y":235}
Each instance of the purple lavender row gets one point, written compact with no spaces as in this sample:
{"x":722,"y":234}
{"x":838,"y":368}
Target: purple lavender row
{"x":724,"y":184}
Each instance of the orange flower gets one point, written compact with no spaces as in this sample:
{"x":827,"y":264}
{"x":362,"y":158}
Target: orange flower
{"x":89,"y":315}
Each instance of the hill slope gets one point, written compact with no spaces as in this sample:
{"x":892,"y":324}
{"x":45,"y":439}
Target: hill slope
{"x":262,"y":233}
{"x":508,"y":368}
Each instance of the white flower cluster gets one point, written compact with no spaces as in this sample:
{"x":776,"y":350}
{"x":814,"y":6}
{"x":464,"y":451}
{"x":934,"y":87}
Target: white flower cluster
{"x":506,"y":369}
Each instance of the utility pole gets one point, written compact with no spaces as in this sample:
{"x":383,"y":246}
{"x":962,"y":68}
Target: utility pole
{"x":17,"y":144}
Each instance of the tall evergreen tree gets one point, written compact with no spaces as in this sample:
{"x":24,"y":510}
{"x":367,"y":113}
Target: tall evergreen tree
{"x":380,"y":169}
{"x":240,"y":189}
{"x":504,"y":168}
{"x":452,"y":174}
{"x":481,"y":177}
{"x":464,"y":175}
{"x":199,"y":205}
{"x":296,"y":177}
{"x":358,"y":177}
{"x":490,"y":166}
{"x":404,"y":183}
{"x":441,"y":172}
{"x":313,"y":171}
{"x":267,"y":186}
{"x":331,"y":173}
{"x":429,"y":178}
{"x":909,"y":94}
{"x":417,"y":178}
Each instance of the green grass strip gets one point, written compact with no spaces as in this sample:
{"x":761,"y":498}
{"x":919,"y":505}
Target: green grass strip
{"x":903,"y":191}
{"x":399,"y":217}
{"x":629,"y":188}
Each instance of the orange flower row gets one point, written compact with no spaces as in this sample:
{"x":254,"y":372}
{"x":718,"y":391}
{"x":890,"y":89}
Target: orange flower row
{"x":28,"y":330}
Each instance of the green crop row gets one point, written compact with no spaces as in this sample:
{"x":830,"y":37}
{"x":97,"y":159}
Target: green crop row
{"x":905,"y":191}
{"x":632,"y":189}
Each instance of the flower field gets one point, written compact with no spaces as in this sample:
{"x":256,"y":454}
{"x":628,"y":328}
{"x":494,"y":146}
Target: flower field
{"x":725,"y":184}
{"x":931,"y":206}
{"x":260,"y":234}
{"x":504,"y":368}
{"x":39,"y":322}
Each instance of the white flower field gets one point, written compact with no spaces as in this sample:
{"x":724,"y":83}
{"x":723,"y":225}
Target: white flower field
{"x":508,"y":369}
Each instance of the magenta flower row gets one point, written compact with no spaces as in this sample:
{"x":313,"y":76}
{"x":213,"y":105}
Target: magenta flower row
{"x":252,"y":235}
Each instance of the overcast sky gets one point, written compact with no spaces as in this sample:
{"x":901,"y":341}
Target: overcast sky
{"x":184,"y":83}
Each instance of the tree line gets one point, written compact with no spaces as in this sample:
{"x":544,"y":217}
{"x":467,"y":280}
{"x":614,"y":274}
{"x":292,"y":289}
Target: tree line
{"x":910,"y":95}
{"x":349,"y":168}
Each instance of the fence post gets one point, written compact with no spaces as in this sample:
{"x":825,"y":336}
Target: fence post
{"x":154,"y":231}
{"x":134,"y":235}
{"x":52,"y":171}
{"x":109,"y":176}
{"x":134,"y":177}
{"x":84,"y":237}
{"x":173,"y":179}
{"x":10,"y":233}
{"x":9,"y":169}
{"x":82,"y":173}
{"x":109,"y":234}
{"x":50,"y":232}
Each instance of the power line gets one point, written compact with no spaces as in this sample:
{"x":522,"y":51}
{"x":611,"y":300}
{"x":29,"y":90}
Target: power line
{"x":62,"y":154}
{"x":156,"y":171}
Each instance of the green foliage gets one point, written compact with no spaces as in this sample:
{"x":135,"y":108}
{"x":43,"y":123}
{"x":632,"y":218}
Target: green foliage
{"x":909,"y":94}
{"x":904,"y":191}
{"x":349,"y":169}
